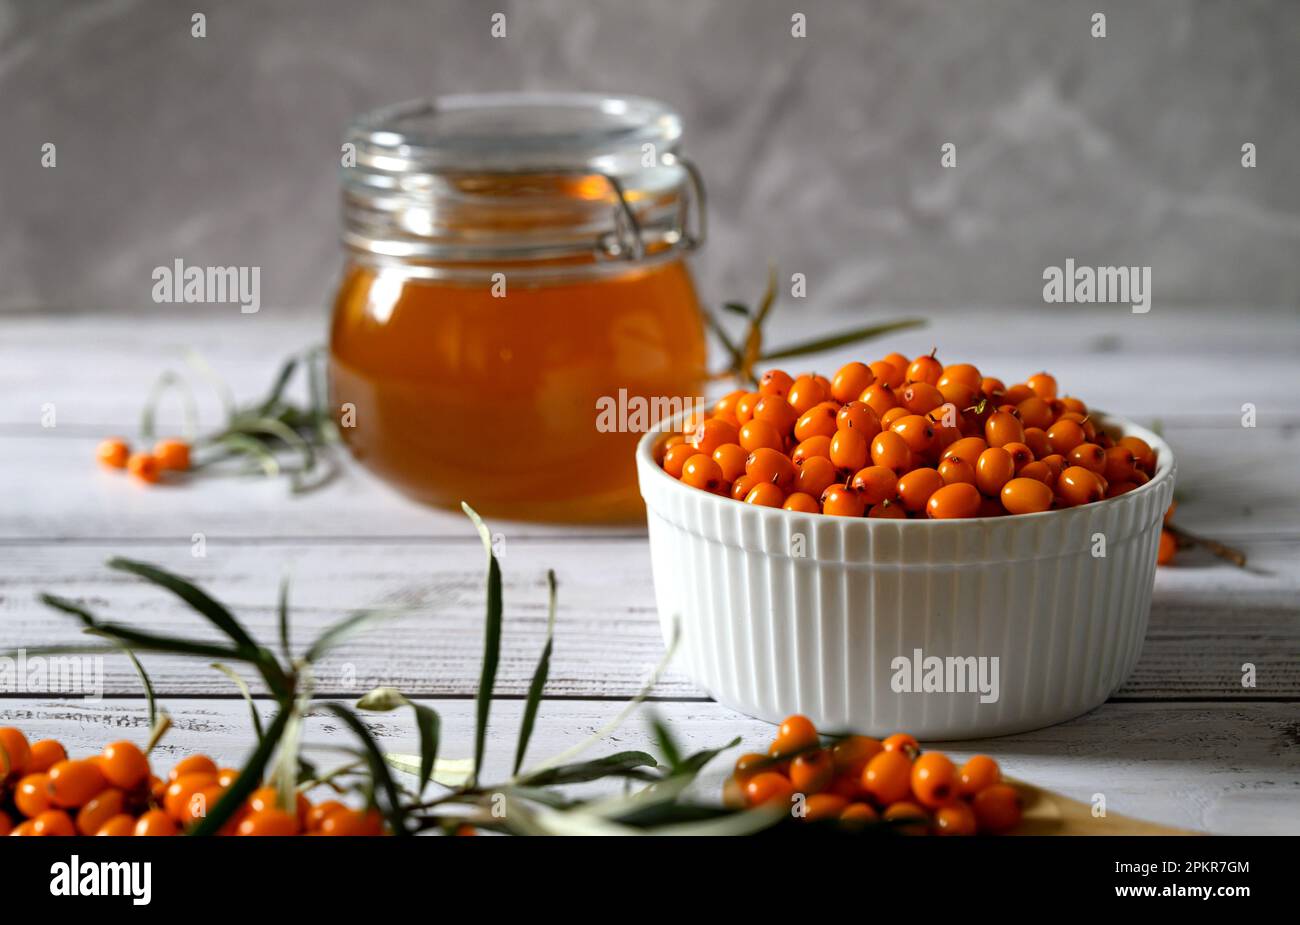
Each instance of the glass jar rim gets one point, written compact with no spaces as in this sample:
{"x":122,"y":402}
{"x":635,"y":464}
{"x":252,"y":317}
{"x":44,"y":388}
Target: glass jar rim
{"x":518,"y":132}
{"x":519,"y":177}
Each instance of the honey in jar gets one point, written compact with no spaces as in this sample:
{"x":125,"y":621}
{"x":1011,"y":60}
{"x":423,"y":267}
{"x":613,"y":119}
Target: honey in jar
{"x":515,"y":262}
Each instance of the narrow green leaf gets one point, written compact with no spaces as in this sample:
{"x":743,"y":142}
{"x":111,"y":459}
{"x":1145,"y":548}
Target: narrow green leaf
{"x":491,"y":642}
{"x":197,"y":362}
{"x":383,"y":699}
{"x":667,"y":744}
{"x":245,"y":692}
{"x":620,"y":764}
{"x":383,"y":780}
{"x":248,"y":446}
{"x":737,"y":308}
{"x":283,"y":616}
{"x":843,"y":338}
{"x":199,"y":600}
{"x":166,"y":381}
{"x":337,"y":632}
{"x":249,"y":779}
{"x":142,"y":640}
{"x":150,"y":704}
{"x":692,"y":764}
{"x":540,"y":674}
{"x":282,"y":432}
{"x":278,"y":385}
{"x":733,"y":352}
{"x":452,"y":773}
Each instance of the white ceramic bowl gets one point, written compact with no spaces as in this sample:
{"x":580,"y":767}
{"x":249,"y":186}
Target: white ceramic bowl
{"x":781,"y":612}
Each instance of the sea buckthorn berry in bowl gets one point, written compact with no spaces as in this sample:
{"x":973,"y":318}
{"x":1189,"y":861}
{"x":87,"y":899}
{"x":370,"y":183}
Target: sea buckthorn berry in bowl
{"x":702,"y":472}
{"x":969,"y":514}
{"x":775,"y":382}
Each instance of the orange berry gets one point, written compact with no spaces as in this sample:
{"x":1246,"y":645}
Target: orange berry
{"x":814,"y":475}
{"x":858,"y":416}
{"x":749,"y":764}
{"x":962,"y":372}
{"x":817,"y":421}
{"x":756,"y":434}
{"x":144,"y":466}
{"x":102,"y":807}
{"x":817,"y":445}
{"x":888,"y":374}
{"x":193,"y":764}
{"x":776,"y":411}
{"x":1167,"y":549}
{"x":842,"y":501}
{"x":993,"y":469}
{"x":316,"y":815}
{"x":917,"y":431}
{"x":851,"y":754}
{"x":1121,"y":464}
{"x":1035,"y":412}
{"x":888,"y":777}
{"x":955,"y":819}
{"x":812,"y":771}
{"x":1090,"y":456}
{"x":902,"y":742}
{"x":875,"y":484}
{"x":113,"y":452}
{"x":6,"y":824}
{"x":849,"y":382}
{"x":273,"y":822}
{"x":806,"y":392}
{"x":730,"y":458}
{"x":744,"y":409}
{"x":727,"y":403}
{"x":74,"y":783}
{"x":180,"y":791}
{"x":968,"y":448}
{"x":921,"y":397}
{"x":768,"y":787}
{"x":859,"y":814}
{"x":1036,"y":440}
{"x":711,"y":434}
{"x":979,"y":772}
{"x":890,"y":450}
{"x":740,"y":488}
{"x":889,"y":510}
{"x":345,"y":822}
{"x":1043,"y":385}
{"x":801,"y":502}
{"x":997,"y":809}
{"x":124,"y":765}
{"x":1003,"y":427}
{"x":1142,"y":452}
{"x":934,"y":779}
{"x":892,"y":416}
{"x":32,"y":795}
{"x":912,"y":818}
{"x":850,"y":449}
{"x":768,"y":465}
{"x":775,"y":382}
{"x":765,"y":494}
{"x":822,"y":806}
{"x":795,"y":734}
{"x":155,"y":823}
{"x":702,"y":472}
{"x":45,"y":754}
{"x":954,"y":469}
{"x":1021,"y":455}
{"x":676,"y":458}
{"x":172,"y":454}
{"x":1026,"y":496}
{"x":1065,"y":435}
{"x":118,"y":826}
{"x":15,"y":753}
{"x":957,"y":500}
{"x":916,"y":487}
{"x":924,"y":369}
{"x":53,"y":822}
{"x":1077,"y":485}
{"x":880,"y":397}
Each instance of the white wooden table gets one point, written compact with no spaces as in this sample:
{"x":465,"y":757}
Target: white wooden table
{"x":1182,"y":743}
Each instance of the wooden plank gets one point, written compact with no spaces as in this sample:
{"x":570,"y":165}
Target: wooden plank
{"x":97,"y":369}
{"x":1231,"y":483}
{"x":1207,"y":618}
{"x":1217,"y":767}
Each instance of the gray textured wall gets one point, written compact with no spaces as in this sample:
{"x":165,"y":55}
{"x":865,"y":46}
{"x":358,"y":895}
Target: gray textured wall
{"x":821,"y":153}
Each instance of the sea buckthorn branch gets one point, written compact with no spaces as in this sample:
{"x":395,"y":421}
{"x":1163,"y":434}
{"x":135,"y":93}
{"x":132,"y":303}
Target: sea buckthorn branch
{"x":744,"y":355}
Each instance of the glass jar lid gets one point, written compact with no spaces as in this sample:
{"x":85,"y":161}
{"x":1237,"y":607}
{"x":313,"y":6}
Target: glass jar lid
{"x":519,"y":178}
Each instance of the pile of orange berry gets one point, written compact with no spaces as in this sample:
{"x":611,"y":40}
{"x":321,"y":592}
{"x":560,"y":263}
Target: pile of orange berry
{"x":905,"y":438}
{"x":115,"y":453}
{"x":43,"y":792}
{"x":859,"y":780}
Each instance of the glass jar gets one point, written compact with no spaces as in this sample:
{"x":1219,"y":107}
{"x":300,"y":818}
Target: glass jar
{"x":515,"y":263}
